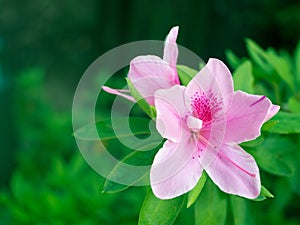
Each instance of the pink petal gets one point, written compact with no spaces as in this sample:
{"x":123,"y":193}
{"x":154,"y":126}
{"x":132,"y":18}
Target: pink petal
{"x":245,"y":117}
{"x":149,"y":74}
{"x":235,"y":171}
{"x":175,"y":171}
{"x":215,"y":81}
{"x":118,"y":92}
{"x":272,"y":111}
{"x":223,"y":77}
{"x":171,"y":112}
{"x":171,"y":49}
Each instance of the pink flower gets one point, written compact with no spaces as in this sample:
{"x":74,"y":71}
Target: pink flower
{"x":204,"y":123}
{"x":150,"y":73}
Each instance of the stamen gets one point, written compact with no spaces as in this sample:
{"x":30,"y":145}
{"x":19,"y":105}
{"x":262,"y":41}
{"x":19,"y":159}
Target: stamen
{"x":194,"y":123}
{"x":205,"y":106}
{"x":201,"y":107}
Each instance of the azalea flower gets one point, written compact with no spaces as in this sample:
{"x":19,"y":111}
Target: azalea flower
{"x":203,"y":124}
{"x":150,"y":73}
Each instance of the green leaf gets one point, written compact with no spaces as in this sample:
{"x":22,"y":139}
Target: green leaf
{"x":253,"y":143}
{"x":106,"y":131}
{"x":211,"y":206}
{"x":137,"y":158}
{"x":269,"y":124}
{"x":294,"y":104}
{"x":258,"y":55}
{"x":297,"y":62}
{"x":269,"y":61}
{"x":243,"y":78}
{"x":261,"y":89}
{"x":155,"y":211}
{"x":232,"y":59}
{"x":273,"y":156}
{"x":264,"y":194}
{"x":148,"y":109}
{"x":19,"y":186}
{"x":282,"y":68}
{"x":288,"y":123}
{"x":201,"y":66}
{"x":185,"y":74}
{"x":295,"y":179}
{"x":193,"y":194}
{"x":240,"y":210}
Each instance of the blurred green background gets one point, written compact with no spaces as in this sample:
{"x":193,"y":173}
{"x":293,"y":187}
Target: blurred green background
{"x":45,"y":47}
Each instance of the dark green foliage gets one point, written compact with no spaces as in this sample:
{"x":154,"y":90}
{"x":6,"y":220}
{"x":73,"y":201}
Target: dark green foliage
{"x":52,"y":183}
{"x":276,"y":75}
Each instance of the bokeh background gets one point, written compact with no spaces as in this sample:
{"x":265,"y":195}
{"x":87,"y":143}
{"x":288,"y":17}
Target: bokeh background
{"x":45,"y":47}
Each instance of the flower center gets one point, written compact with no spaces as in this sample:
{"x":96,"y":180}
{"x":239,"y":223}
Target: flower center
{"x":206,"y":110}
{"x":201,"y":107}
{"x":194,"y":124}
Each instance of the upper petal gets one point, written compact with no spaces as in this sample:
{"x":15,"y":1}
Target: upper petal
{"x":175,"y":169}
{"x":171,"y":49}
{"x":245,"y":117}
{"x":149,"y":74}
{"x":150,"y":66}
{"x":223,"y":77}
{"x":235,"y":171}
{"x":215,"y":82}
{"x":171,"y":111}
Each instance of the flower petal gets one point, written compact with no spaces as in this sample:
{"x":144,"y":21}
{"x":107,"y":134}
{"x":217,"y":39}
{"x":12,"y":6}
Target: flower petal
{"x":272,"y":111}
{"x":171,"y":49}
{"x":149,"y":74}
{"x":175,"y":170}
{"x":118,"y":92}
{"x":214,"y":79}
{"x":245,"y":117}
{"x":235,"y":171}
{"x":171,"y":111}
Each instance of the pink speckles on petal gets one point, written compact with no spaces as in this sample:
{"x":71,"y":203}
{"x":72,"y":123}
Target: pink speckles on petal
{"x":213,"y":84}
{"x":201,"y":107}
{"x":205,"y":107}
